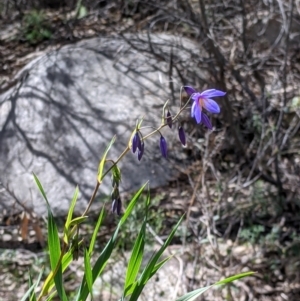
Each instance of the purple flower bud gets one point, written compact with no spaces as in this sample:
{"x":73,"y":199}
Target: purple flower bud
{"x":169,"y":119}
{"x":116,"y":206}
{"x":163,"y":146}
{"x":140,"y":142}
{"x":115,"y":193}
{"x":136,"y":141}
{"x":181,"y":134}
{"x":141,"y":151}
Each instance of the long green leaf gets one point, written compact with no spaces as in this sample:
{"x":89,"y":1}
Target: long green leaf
{"x":160,"y":264}
{"x":53,"y":245}
{"x":106,"y":253}
{"x":132,"y":204}
{"x":51,"y":296}
{"x":70,"y":215}
{"x":96,"y":229}
{"x":136,"y":254}
{"x":33,"y":296}
{"x":131,"y":288}
{"x":150,"y":267}
{"x":55,"y":251}
{"x":235,"y":277}
{"x":98,"y":267}
{"x":196,"y":293}
{"x":88,"y":272}
{"x":78,"y":220}
{"x":49,"y":282}
{"x":30,"y":292}
{"x":135,"y":258}
{"x":41,"y":189}
{"x":72,"y":206}
{"x":102,"y":162}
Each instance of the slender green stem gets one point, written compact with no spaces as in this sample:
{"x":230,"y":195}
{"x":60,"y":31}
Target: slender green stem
{"x":91,"y":199}
{"x":163,"y":125}
{"x":99,"y":183}
{"x":127,"y":149}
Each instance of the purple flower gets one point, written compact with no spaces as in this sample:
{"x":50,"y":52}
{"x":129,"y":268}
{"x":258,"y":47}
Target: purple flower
{"x":169,"y":119}
{"x":136,"y":142}
{"x":163,"y":146}
{"x":116,"y":206}
{"x":141,"y":151}
{"x":181,"y":134}
{"x":203,"y":101}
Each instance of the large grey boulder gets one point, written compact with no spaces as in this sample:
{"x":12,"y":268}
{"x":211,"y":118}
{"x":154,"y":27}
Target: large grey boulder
{"x":69,"y":103}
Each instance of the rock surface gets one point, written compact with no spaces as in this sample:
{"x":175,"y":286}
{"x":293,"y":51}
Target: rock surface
{"x":70,"y":103}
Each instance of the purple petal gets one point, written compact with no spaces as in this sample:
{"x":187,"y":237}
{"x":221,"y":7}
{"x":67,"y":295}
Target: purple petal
{"x":212,"y":93}
{"x":193,"y":109}
{"x":211,"y":106}
{"x":163,"y":146}
{"x":197,"y":114}
{"x":206,"y":121}
{"x":141,"y":151}
{"x":117,"y":206}
{"x":181,"y":135}
{"x":189,"y":90}
{"x":139,"y":146}
{"x":169,"y":120}
{"x":136,"y":142}
{"x":196,"y":97}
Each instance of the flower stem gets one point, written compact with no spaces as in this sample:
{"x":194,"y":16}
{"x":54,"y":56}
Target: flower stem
{"x":126,"y":151}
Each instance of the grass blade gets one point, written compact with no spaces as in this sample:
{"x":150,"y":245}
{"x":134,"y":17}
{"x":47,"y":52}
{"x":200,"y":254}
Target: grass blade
{"x":233,"y":278}
{"x":88,"y":272}
{"x":72,"y":206}
{"x":70,"y":214}
{"x":33,"y":296}
{"x":51,"y":296}
{"x":196,"y":293}
{"x":148,"y":271}
{"x":30,"y":292}
{"x":135,"y":258}
{"x":136,"y":254}
{"x":41,"y":189}
{"x":98,"y":267}
{"x":54,"y":247}
{"x":106,"y":253}
{"x":132,"y":204}
{"x":95,"y":232}
{"x":49,"y":282}
{"x":55,"y":253}
{"x":78,"y":220}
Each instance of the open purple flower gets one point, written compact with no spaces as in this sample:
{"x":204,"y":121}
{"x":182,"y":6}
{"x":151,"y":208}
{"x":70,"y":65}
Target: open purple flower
{"x":163,"y":146}
{"x":202,"y":101}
